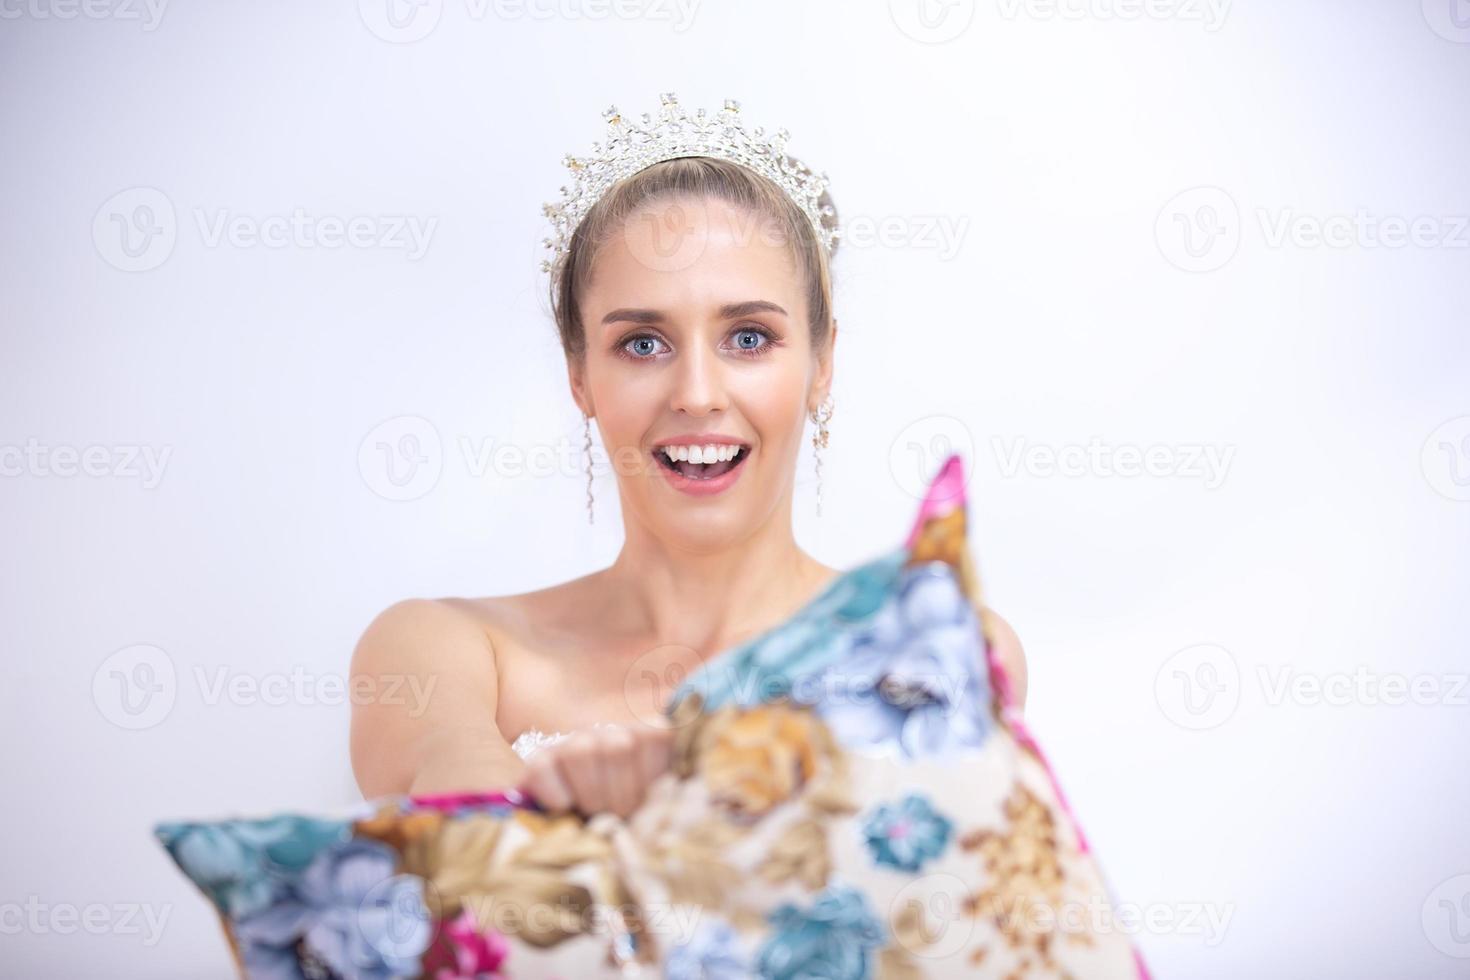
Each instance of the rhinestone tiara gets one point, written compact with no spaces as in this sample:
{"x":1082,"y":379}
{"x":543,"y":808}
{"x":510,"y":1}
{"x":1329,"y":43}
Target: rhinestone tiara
{"x":631,"y":146}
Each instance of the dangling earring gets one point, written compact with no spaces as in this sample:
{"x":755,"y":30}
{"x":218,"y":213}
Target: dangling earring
{"x":587,"y":454}
{"x":821,"y":416}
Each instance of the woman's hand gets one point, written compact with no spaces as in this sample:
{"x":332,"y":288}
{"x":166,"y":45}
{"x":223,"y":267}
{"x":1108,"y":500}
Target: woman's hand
{"x":596,"y":770}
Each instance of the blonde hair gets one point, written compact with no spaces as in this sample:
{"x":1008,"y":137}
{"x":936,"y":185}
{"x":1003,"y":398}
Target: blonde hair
{"x":697,"y":177}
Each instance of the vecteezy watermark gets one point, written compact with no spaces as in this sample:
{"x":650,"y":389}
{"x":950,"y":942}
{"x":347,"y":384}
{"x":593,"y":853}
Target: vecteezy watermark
{"x":1100,"y":916}
{"x":1282,"y":684}
{"x":1210,"y":13}
{"x":943,"y":234}
{"x":935,"y":916}
{"x":922,"y":446}
{"x":137,"y":687}
{"x":1199,"y":230}
{"x":37,"y":917}
{"x":1362,"y":229}
{"x":1201,"y":686}
{"x":407,"y":21}
{"x":671,"y":236}
{"x":1445,"y":459}
{"x":122,"y":462}
{"x":1445,"y":917}
{"x":1206,"y":463}
{"x":1450,"y":19}
{"x":137,"y":229}
{"x":402,"y":458}
{"x":148,"y":13}
{"x":1198,"y":687}
{"x":932,"y":21}
{"x":299,"y":686}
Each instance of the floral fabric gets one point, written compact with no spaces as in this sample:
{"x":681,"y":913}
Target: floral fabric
{"x":853,"y":796}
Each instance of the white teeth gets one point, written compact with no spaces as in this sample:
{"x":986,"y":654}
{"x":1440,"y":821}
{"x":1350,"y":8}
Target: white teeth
{"x":701,"y":454}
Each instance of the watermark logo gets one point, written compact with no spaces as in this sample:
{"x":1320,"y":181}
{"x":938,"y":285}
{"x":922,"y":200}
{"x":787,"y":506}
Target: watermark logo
{"x":943,"y":234}
{"x":136,"y":229}
{"x":1362,"y":229}
{"x":931,"y":916}
{"x":40,"y":460}
{"x":401,"y":21}
{"x":135,"y":687}
{"x":402,"y":458}
{"x":1445,"y":459}
{"x":651,"y":680}
{"x":148,"y":13}
{"x":1206,"y":463}
{"x":922,"y":446}
{"x":1209,"y":13}
{"x":1450,"y":19}
{"x":1198,"y":230}
{"x":394,"y":917}
{"x":672,"y":236}
{"x":932,"y":21}
{"x":1446,"y":917}
{"x":1284,"y":684}
{"x":1198,"y":687}
{"x":407,"y":21}
{"x":37,"y":917}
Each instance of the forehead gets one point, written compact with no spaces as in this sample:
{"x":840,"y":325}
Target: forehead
{"x":693,"y":254}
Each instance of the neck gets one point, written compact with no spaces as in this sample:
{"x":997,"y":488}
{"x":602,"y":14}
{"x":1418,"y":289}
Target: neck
{"x":710,"y":600}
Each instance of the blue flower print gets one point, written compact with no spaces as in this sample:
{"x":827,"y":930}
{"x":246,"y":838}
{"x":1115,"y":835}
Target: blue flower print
{"x":906,"y":834}
{"x":243,"y":865}
{"x":712,"y":952}
{"x":831,"y":940}
{"x":915,"y":685}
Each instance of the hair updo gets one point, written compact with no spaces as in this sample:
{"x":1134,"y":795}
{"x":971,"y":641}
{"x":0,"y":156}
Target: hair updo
{"x":698,"y":177}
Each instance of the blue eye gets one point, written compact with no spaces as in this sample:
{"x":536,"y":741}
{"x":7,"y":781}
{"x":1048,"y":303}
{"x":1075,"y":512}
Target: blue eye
{"x":753,"y":336}
{"x":642,"y":346}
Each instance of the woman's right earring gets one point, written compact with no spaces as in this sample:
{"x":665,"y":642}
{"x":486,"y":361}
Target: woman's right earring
{"x":587,"y":455}
{"x":821,"y":416}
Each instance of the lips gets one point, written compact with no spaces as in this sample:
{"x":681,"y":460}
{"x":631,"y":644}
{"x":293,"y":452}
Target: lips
{"x":702,"y":471}
{"x":701,"y":464}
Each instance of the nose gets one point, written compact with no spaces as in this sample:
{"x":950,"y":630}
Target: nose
{"x":699,"y":384}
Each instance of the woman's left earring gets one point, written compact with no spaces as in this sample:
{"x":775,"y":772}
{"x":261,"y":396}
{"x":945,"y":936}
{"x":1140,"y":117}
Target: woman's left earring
{"x":587,"y":455}
{"x":821,"y":416}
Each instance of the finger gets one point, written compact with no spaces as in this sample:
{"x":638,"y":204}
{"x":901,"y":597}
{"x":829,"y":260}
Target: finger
{"x":545,"y":783}
{"x":579,"y":762}
{"x":655,"y":751}
{"x":622,"y":773}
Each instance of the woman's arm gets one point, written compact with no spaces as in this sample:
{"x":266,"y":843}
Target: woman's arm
{"x":431,"y":729}
{"x":1008,"y":651}
{"x":424,"y":692}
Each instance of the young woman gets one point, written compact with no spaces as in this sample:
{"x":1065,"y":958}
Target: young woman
{"x":694,"y":306}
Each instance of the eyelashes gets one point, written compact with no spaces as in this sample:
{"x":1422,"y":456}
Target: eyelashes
{"x":625,"y":345}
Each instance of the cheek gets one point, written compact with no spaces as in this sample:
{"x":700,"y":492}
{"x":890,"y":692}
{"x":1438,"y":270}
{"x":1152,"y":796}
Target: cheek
{"x":773,"y":401}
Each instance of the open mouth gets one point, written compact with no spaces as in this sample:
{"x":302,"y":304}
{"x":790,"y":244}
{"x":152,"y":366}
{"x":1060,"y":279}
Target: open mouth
{"x":690,"y":461}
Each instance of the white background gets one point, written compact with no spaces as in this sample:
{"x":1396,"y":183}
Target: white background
{"x":1078,"y":297}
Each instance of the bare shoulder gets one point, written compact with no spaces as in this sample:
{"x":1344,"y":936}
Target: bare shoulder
{"x":1009,"y":651}
{"x":420,"y":632}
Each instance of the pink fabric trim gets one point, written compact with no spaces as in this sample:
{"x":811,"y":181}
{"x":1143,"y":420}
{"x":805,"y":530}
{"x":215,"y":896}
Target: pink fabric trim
{"x":455,"y":801}
{"x":946,"y":493}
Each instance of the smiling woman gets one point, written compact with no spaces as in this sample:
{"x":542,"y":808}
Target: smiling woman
{"x":691,"y":290}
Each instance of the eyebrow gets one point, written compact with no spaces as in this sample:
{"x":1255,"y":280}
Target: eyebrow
{"x":727,"y":312}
